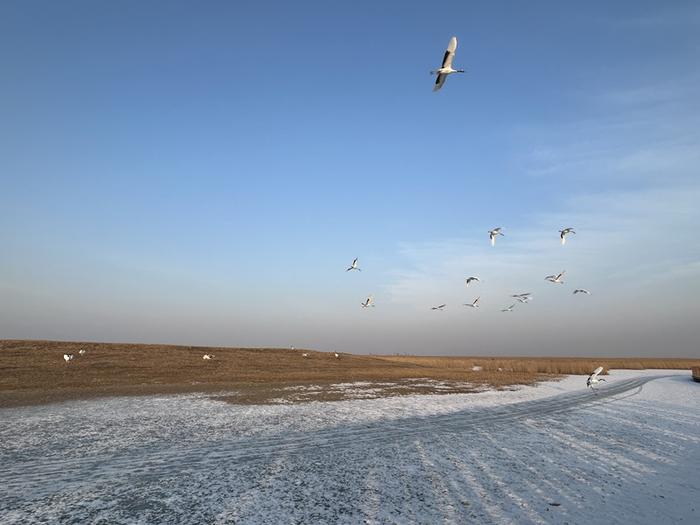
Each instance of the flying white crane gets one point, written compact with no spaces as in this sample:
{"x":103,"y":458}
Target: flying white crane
{"x":440,"y":307}
{"x":581,"y":290}
{"x":368,"y":302}
{"x":493,"y":234}
{"x":523,"y":297}
{"x":556,"y":279}
{"x":470,"y":280}
{"x":68,"y":357}
{"x":81,"y":351}
{"x":353,"y":266}
{"x":509,"y":309}
{"x":593,"y":378}
{"x":446,"y":68}
{"x":474,"y":304}
{"x":563,"y":233}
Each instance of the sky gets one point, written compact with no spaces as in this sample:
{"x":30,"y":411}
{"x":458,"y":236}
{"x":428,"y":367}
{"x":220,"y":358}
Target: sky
{"x":203,"y":173}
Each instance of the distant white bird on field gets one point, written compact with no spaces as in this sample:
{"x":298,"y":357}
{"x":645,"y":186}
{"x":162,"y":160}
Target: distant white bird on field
{"x":523,"y":297}
{"x":593,"y":378}
{"x":304,"y":355}
{"x":556,"y":279}
{"x":493,"y":234}
{"x":474,"y":304}
{"x":470,"y":280}
{"x":581,"y":290}
{"x":563,"y":233}
{"x":446,"y":67}
{"x":509,"y":309}
{"x":353,"y":266}
{"x":208,"y":357}
{"x":368,"y":302}
{"x":81,"y":351}
{"x":68,"y":357}
{"x":440,"y":307}
{"x":336,"y":355}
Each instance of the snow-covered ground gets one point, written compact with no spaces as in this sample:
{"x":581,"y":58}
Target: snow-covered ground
{"x":555,"y":453}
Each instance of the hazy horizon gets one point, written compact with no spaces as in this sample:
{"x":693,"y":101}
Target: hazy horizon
{"x":203,"y":175}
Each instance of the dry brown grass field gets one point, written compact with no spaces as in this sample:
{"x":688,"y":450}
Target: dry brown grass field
{"x":546,"y":365}
{"x":34,"y":371}
{"x":696,"y":373}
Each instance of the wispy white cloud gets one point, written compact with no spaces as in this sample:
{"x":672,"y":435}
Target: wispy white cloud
{"x":632,"y":132}
{"x":665,"y":16}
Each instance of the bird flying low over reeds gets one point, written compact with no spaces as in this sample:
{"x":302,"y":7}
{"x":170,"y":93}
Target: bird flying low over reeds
{"x":593,"y":378}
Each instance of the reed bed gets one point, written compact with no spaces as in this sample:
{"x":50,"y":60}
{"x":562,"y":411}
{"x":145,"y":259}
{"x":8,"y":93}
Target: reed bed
{"x":544,"y":365}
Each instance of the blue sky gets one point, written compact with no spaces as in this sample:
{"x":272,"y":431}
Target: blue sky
{"x":203,"y":173}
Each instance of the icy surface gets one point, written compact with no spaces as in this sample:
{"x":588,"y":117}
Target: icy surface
{"x":555,"y":453}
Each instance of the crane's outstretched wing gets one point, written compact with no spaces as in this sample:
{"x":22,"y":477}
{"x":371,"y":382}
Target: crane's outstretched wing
{"x":449,"y":53}
{"x":439,"y":81}
{"x":597,"y":371}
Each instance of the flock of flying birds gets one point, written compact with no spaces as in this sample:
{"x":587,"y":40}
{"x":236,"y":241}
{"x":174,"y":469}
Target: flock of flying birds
{"x":519,"y":297}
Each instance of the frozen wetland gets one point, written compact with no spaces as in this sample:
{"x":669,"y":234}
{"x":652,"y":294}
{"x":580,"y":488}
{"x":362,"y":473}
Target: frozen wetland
{"x":555,"y":453}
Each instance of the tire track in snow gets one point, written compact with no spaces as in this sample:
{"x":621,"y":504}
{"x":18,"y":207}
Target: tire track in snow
{"x":157,"y":460}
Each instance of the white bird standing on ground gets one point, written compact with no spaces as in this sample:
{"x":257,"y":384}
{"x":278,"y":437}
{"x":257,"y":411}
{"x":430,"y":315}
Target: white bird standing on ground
{"x":563,"y":233}
{"x":523,"y":297}
{"x":509,"y":309}
{"x":556,"y":279}
{"x":208,"y":357}
{"x":304,"y":355}
{"x":593,"y":378}
{"x":368,"y":302}
{"x":493,"y":234}
{"x":474,"y":304}
{"x":353,"y":266}
{"x":68,"y":357}
{"x":81,"y":351}
{"x":470,"y":280}
{"x":337,"y":355}
{"x":440,"y":307}
{"x":446,"y":68}
{"x":581,"y":290}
